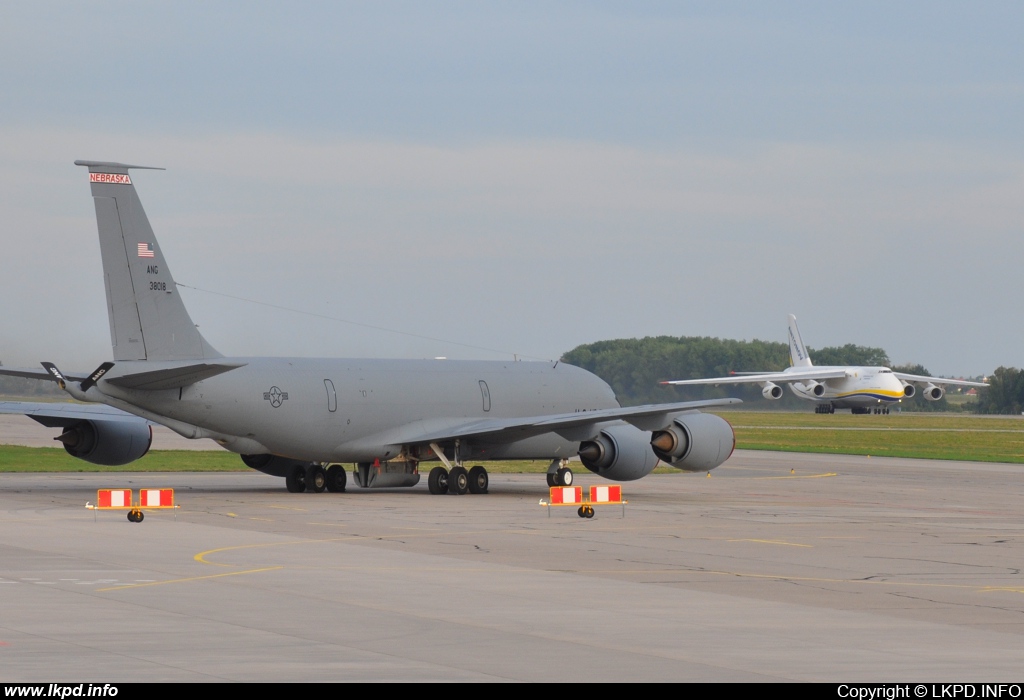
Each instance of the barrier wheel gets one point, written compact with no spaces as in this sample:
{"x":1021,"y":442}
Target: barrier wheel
{"x":437,"y":481}
{"x":582,"y":512}
{"x":131,"y":516}
{"x":139,"y":516}
{"x":590,"y":512}
{"x":478,"y":480}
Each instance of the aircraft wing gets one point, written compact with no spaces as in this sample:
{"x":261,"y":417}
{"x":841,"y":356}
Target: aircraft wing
{"x":62,"y":414}
{"x":939,"y":381}
{"x":506,"y":430}
{"x":799,"y":375}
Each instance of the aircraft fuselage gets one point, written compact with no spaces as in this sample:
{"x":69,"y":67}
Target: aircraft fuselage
{"x":862,"y":387}
{"x":340,"y":410}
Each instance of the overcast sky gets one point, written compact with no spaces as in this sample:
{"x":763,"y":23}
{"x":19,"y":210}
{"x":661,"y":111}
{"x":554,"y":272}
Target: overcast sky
{"x":519,"y":178}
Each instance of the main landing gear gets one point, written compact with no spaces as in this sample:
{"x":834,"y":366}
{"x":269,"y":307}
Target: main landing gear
{"x":877,"y":410}
{"x":455,"y":479}
{"x":825,"y":408}
{"x":315,"y":479}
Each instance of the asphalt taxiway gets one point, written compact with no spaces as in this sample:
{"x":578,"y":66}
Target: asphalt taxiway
{"x":777,"y":567}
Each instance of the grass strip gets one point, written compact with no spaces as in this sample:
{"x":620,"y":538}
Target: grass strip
{"x":924,"y":436}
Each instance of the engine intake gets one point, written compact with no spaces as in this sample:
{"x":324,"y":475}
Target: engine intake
{"x":816,"y":388}
{"x":932,"y":392}
{"x":771,"y":391}
{"x":110,"y":443}
{"x":909,"y":390}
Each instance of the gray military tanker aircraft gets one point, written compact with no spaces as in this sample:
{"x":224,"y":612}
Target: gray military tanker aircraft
{"x":302,"y":418}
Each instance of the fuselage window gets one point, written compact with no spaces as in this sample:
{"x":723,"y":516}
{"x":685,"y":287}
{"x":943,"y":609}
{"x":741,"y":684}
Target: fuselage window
{"x":332,"y":396}
{"x":486,"y":394}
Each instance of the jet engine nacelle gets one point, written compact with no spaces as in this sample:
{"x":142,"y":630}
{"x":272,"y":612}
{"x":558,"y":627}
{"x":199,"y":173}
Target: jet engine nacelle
{"x":619,"y":453}
{"x":816,"y":388}
{"x":272,"y":464}
{"x":909,"y":390}
{"x":772,"y":391}
{"x":932,"y":392}
{"x":694,"y":442}
{"x":110,"y":443}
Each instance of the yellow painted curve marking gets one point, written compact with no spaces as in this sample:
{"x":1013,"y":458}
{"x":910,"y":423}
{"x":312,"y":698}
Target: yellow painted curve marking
{"x":201,"y":557}
{"x":788,"y":544}
{"x":186,"y":580}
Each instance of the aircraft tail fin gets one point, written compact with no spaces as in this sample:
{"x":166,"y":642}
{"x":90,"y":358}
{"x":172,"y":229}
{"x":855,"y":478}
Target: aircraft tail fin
{"x":798,"y":356}
{"x":148,"y":320}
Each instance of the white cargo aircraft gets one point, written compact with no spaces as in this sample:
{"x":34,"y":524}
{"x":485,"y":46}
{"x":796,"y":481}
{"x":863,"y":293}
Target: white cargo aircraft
{"x":302,"y":418}
{"x":861,"y":389}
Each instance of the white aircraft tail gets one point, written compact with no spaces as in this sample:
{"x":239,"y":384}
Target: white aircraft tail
{"x":798,"y":356}
{"x":148,"y":320}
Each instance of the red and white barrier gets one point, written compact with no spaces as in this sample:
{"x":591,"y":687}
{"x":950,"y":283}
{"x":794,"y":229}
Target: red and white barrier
{"x":121,"y":499}
{"x":566,"y":495}
{"x":114,"y":498}
{"x":595,"y":496}
{"x":600,"y":495}
{"x":156,"y":498}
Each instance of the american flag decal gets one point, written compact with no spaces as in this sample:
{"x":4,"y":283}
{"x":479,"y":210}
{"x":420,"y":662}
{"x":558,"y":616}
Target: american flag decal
{"x":145,"y":251}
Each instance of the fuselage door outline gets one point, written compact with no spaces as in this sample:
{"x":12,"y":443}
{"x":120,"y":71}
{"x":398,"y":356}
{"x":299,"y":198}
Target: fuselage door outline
{"x":485,"y":392}
{"x":332,"y":396}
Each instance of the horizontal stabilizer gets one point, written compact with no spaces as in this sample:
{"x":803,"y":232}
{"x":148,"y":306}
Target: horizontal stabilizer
{"x":173,"y":377}
{"x":102,"y":164}
{"x":37,"y":374}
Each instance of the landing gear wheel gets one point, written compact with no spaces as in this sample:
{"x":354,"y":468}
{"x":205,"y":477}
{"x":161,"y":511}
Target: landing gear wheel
{"x":316,"y":479}
{"x":336,"y":478}
{"x":437,"y":481}
{"x":563,"y":477}
{"x":478,"y":480}
{"x":458,"y":480}
{"x":295,"y":480}
{"x":551,"y":479}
